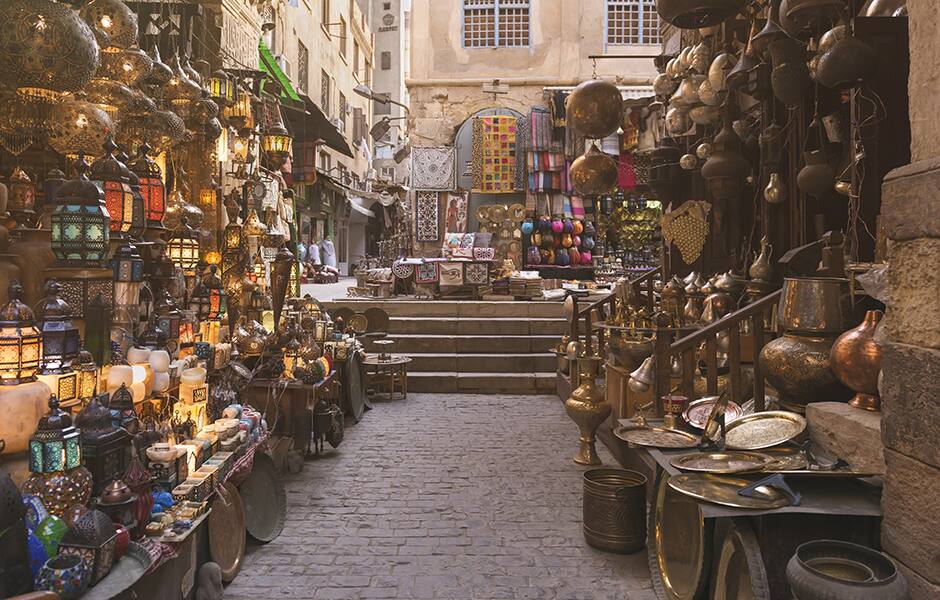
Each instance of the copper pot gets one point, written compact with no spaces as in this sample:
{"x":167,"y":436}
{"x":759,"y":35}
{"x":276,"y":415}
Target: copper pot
{"x":798,"y":368}
{"x":847,"y":64}
{"x":631,"y":351}
{"x":856,"y":361}
{"x":815,"y":305}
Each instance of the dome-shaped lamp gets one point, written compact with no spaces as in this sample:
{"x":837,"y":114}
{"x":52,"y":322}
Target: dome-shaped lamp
{"x":78,"y":127}
{"x":114,"y":18}
{"x":595,"y":108}
{"x":593,"y":173}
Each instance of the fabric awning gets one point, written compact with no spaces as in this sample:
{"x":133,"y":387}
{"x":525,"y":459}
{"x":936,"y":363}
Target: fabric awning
{"x":309,"y":123}
{"x":268,"y":64}
{"x":359,"y":213}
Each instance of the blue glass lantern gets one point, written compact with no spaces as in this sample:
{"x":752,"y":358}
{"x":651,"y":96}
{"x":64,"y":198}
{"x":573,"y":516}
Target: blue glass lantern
{"x":55,"y":446}
{"x":80,"y":223}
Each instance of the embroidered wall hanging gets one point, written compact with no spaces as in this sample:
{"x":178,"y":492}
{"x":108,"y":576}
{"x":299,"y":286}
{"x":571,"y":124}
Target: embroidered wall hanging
{"x":434,"y":168}
{"x":687,"y":227}
{"x":427,"y":217}
{"x":455,"y":218}
{"x":426,"y":273}
{"x":476,"y":273}
{"x":494,"y":154}
{"x":451,"y":273}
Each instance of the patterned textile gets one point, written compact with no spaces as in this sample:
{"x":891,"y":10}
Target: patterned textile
{"x":403,"y":270}
{"x":451,"y":273}
{"x":428,"y":217}
{"x":559,"y":108}
{"x":577,"y":207}
{"x":455,"y":219}
{"x":522,"y":142}
{"x":482,"y":239}
{"x":434,"y":168}
{"x":494,"y":154}
{"x":426,"y":273}
{"x":476,"y":273}
{"x":626,"y":172}
{"x":484,"y":253}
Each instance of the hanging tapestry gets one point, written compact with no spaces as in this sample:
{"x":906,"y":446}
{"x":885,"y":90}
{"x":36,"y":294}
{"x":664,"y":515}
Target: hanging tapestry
{"x":451,"y":273}
{"x":522,"y":142}
{"x":476,"y":273}
{"x":455,"y":218}
{"x":434,"y":168}
{"x":494,"y":154}
{"x":426,"y":273}
{"x":626,"y":171}
{"x":427,"y":217}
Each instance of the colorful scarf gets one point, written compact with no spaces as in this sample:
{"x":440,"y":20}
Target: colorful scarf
{"x":494,"y":154}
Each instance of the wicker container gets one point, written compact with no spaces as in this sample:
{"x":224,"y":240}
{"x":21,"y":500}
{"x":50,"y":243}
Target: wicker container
{"x":615,"y":510}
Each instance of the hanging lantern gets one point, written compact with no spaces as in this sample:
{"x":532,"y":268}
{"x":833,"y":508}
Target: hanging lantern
{"x":218,"y":299}
{"x":106,"y":449}
{"x":212,"y":257}
{"x":21,"y":195}
{"x":80,"y":223}
{"x":46,"y":49}
{"x":139,"y":212}
{"x":128,"y":270}
{"x":151,"y":187}
{"x":168,"y":315}
{"x":181,"y":91}
{"x":130,"y":66}
{"x":593,"y":173}
{"x":77,"y":127}
{"x":221,"y":88}
{"x":199,"y":301}
{"x":60,"y":338}
{"x":695,"y":14}
{"x":280,"y":280}
{"x":726,"y":167}
{"x":183,"y":247}
{"x":20,"y":341}
{"x":114,"y":18}
{"x":595,"y":108}
{"x":239,"y":114}
{"x":277,"y":145}
{"x":241,"y":149}
{"x":232,"y":237}
{"x":113,"y":179}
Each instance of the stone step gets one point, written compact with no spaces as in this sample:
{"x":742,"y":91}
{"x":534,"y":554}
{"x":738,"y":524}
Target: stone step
{"x":477,"y":326}
{"x":416,"y":343}
{"x":483,"y":363}
{"x":443,"y":308}
{"x":441,"y":382}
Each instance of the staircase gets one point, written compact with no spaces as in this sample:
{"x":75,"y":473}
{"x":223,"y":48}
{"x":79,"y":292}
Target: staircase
{"x":473,"y":347}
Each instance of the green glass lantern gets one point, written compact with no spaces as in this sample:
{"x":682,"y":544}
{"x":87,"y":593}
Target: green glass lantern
{"x":55,"y":446}
{"x":20,"y":340}
{"x":60,"y":338}
{"x":80,"y":223}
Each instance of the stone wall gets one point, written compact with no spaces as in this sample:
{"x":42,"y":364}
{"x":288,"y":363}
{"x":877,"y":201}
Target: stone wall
{"x":911,"y":368}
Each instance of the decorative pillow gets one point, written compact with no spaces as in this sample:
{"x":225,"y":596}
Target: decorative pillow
{"x":463,"y":252}
{"x":482,"y":240}
{"x":484,"y":253}
{"x":452,"y":240}
{"x":468,"y":240}
{"x":451,"y":274}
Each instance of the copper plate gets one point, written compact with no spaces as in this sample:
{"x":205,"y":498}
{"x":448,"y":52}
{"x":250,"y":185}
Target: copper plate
{"x":265,"y":500}
{"x":763,"y":430}
{"x":722,"y":462}
{"x":358,"y":323}
{"x":723,"y":490}
{"x":697,"y":412}
{"x":227,"y":531}
{"x":516,"y":212}
{"x":656,"y":437}
{"x":483,"y":213}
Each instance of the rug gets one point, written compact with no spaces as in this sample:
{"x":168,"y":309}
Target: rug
{"x":455,"y":218}
{"x":427,"y":217}
{"x":494,"y":154}
{"x":426,"y":273}
{"x":434,"y":168}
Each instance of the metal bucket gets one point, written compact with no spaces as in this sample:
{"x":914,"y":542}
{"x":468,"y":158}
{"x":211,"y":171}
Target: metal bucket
{"x":615,"y":510}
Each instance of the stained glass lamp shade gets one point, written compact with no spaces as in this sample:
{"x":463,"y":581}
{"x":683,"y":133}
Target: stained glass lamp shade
{"x":151,"y":186}
{"x":183,"y":247}
{"x":20,"y":340}
{"x":60,"y":338}
{"x":233,"y":236}
{"x":80,"y":224}
{"x":277,"y":144}
{"x":55,"y":446}
{"x":199,"y":301}
{"x":138,"y":216}
{"x":221,"y":88}
{"x":113,"y":179}
{"x":239,"y":113}
{"x":218,"y":299}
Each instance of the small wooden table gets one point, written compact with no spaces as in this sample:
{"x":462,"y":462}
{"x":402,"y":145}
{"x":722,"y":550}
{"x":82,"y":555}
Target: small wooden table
{"x":390,"y":373}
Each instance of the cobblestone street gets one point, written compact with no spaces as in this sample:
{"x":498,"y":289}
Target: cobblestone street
{"x":443,"y":496}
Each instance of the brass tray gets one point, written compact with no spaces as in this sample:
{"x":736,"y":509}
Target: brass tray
{"x":763,"y":430}
{"x":656,"y":437}
{"x":265,"y":500}
{"x":517,"y":212}
{"x":358,"y":323}
{"x":696,"y":413}
{"x":227,"y":531}
{"x":785,"y":459}
{"x":723,"y":490}
{"x":722,"y":462}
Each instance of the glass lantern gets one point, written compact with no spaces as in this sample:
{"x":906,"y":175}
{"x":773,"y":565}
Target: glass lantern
{"x":291,"y":357}
{"x":138,"y":215}
{"x":80,"y":223}
{"x":60,"y":338}
{"x":106,"y":449}
{"x":20,"y":341}
{"x":21,"y":199}
{"x":241,"y":148}
{"x":232,"y":237}
{"x":151,"y":187}
{"x":199,"y":301}
{"x":221,"y":88}
{"x":183,"y":247}
{"x":55,"y":446}
{"x":168,"y":315}
{"x":113,"y":179}
{"x":239,"y":113}
{"x":87,"y":371}
{"x":121,"y":408}
{"x":277,"y":144}
{"x":128,"y":273}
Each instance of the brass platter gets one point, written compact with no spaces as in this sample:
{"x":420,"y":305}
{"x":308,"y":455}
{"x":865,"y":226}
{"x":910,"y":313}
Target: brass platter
{"x":785,"y":459}
{"x":517,"y":212}
{"x":358,"y":323}
{"x":227,"y":531}
{"x":656,"y":437}
{"x":723,"y":490}
{"x":483,"y":213}
{"x":696,"y":413}
{"x":680,"y":544}
{"x":722,"y":462}
{"x":763,"y":430}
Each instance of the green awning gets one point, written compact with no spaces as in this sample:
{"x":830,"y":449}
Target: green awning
{"x":268,"y":64}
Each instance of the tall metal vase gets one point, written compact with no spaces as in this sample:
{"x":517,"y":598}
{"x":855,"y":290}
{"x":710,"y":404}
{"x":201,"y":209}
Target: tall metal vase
{"x":588,"y":408}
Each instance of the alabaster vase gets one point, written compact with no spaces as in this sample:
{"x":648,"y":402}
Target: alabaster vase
{"x":798,"y":367}
{"x":588,"y":408}
{"x":23,"y":406}
{"x":856,"y":361}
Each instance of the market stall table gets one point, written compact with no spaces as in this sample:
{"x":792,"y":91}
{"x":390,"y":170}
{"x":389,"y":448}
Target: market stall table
{"x":389,"y":373}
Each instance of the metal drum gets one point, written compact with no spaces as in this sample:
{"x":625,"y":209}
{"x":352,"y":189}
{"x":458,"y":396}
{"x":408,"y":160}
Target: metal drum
{"x":615,"y":510}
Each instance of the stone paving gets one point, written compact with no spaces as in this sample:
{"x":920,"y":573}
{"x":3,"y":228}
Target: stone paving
{"x":443,"y":496}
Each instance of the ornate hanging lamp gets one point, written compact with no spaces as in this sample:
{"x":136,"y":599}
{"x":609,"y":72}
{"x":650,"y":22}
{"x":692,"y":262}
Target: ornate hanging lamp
{"x":593,"y":173}
{"x":20,"y":340}
{"x":726,"y":167}
{"x":128,"y":268}
{"x":60,"y":338}
{"x":183,"y":247}
{"x":151,"y":186}
{"x":113,"y":179}
{"x":115,"y":19}
{"x":595,"y":108}
{"x":695,"y":14}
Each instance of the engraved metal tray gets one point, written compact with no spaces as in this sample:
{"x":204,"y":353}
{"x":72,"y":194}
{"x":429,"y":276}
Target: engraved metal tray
{"x":763,"y":430}
{"x":723,"y":490}
{"x":722,"y":462}
{"x":656,"y":437}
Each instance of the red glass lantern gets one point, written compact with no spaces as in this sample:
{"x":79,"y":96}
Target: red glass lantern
{"x":113,"y":178}
{"x":151,"y":187}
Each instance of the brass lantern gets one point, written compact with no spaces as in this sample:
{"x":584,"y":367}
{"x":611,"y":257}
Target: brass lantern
{"x":20,"y":341}
{"x":113,"y":179}
{"x":60,"y":338}
{"x":114,"y":18}
{"x":595,"y":108}
{"x":21,"y":196}
{"x":277,"y":144}
{"x":593,"y":173}
{"x":221,"y":88}
{"x":128,"y":272}
{"x":239,"y":114}
{"x":151,"y":187}
{"x":183,"y":247}
{"x":80,"y":223}
{"x":84,"y":365}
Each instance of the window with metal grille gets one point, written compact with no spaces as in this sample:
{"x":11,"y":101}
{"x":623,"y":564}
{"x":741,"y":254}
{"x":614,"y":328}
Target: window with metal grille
{"x":303,"y":66}
{"x":325,"y":92}
{"x":495,"y":23}
{"x":632,"y":22}
{"x":343,"y":108}
{"x":342,"y":37}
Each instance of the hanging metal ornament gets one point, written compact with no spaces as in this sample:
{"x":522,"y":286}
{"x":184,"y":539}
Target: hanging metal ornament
{"x":831,"y":37}
{"x":771,"y":31}
{"x":719,"y":69}
{"x":78,"y":127}
{"x":726,"y":167}
{"x":685,"y":58}
{"x":115,"y":19}
{"x":707,"y":93}
{"x":693,"y":14}
{"x":849,"y":63}
{"x":677,"y":121}
{"x":595,"y":108}
{"x":704,"y":150}
{"x":688,"y":162}
{"x":664,"y":85}
{"x":790,"y":77}
{"x":704,"y":114}
{"x":701,"y":58}
{"x":816,"y":178}
{"x":805,"y":18}
{"x":593,"y":173}
{"x":776,"y":191}
{"x":687,"y":227}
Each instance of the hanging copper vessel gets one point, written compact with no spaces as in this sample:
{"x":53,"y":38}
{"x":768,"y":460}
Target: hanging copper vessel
{"x":593,"y":173}
{"x":726,"y":168}
{"x":738,"y":76}
{"x":719,"y":69}
{"x":693,"y":14}
{"x":803,"y":18}
{"x":849,"y":63}
{"x":790,"y":76}
{"x":595,"y":108}
{"x":771,"y":31}
{"x":775,"y":192}
{"x":817,"y":177}
{"x":856,"y":361}
{"x":588,"y":408}
{"x":280,"y":280}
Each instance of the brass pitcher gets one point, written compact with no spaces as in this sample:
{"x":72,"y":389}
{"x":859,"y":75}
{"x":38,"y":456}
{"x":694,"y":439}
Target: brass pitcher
{"x":588,"y":408}
{"x":761,"y":269}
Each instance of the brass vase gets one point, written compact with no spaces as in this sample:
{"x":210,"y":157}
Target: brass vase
{"x":588,"y":408}
{"x":798,"y":367}
{"x":856,"y":361}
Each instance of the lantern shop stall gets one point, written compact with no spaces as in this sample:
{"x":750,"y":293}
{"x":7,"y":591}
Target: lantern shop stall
{"x":738,"y":380}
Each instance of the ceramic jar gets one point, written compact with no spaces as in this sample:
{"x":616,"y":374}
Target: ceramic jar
{"x":856,"y":361}
{"x":836,"y":570}
{"x":588,"y":408}
{"x":66,"y":575}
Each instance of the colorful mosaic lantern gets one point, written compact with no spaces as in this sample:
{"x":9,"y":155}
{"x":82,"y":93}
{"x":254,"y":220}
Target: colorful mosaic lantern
{"x":92,"y":539}
{"x":139,"y":212}
{"x":80,"y":223}
{"x":20,"y":341}
{"x":106,"y":449}
{"x":151,"y":187}
{"x":60,"y":337}
{"x":113,"y":179}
